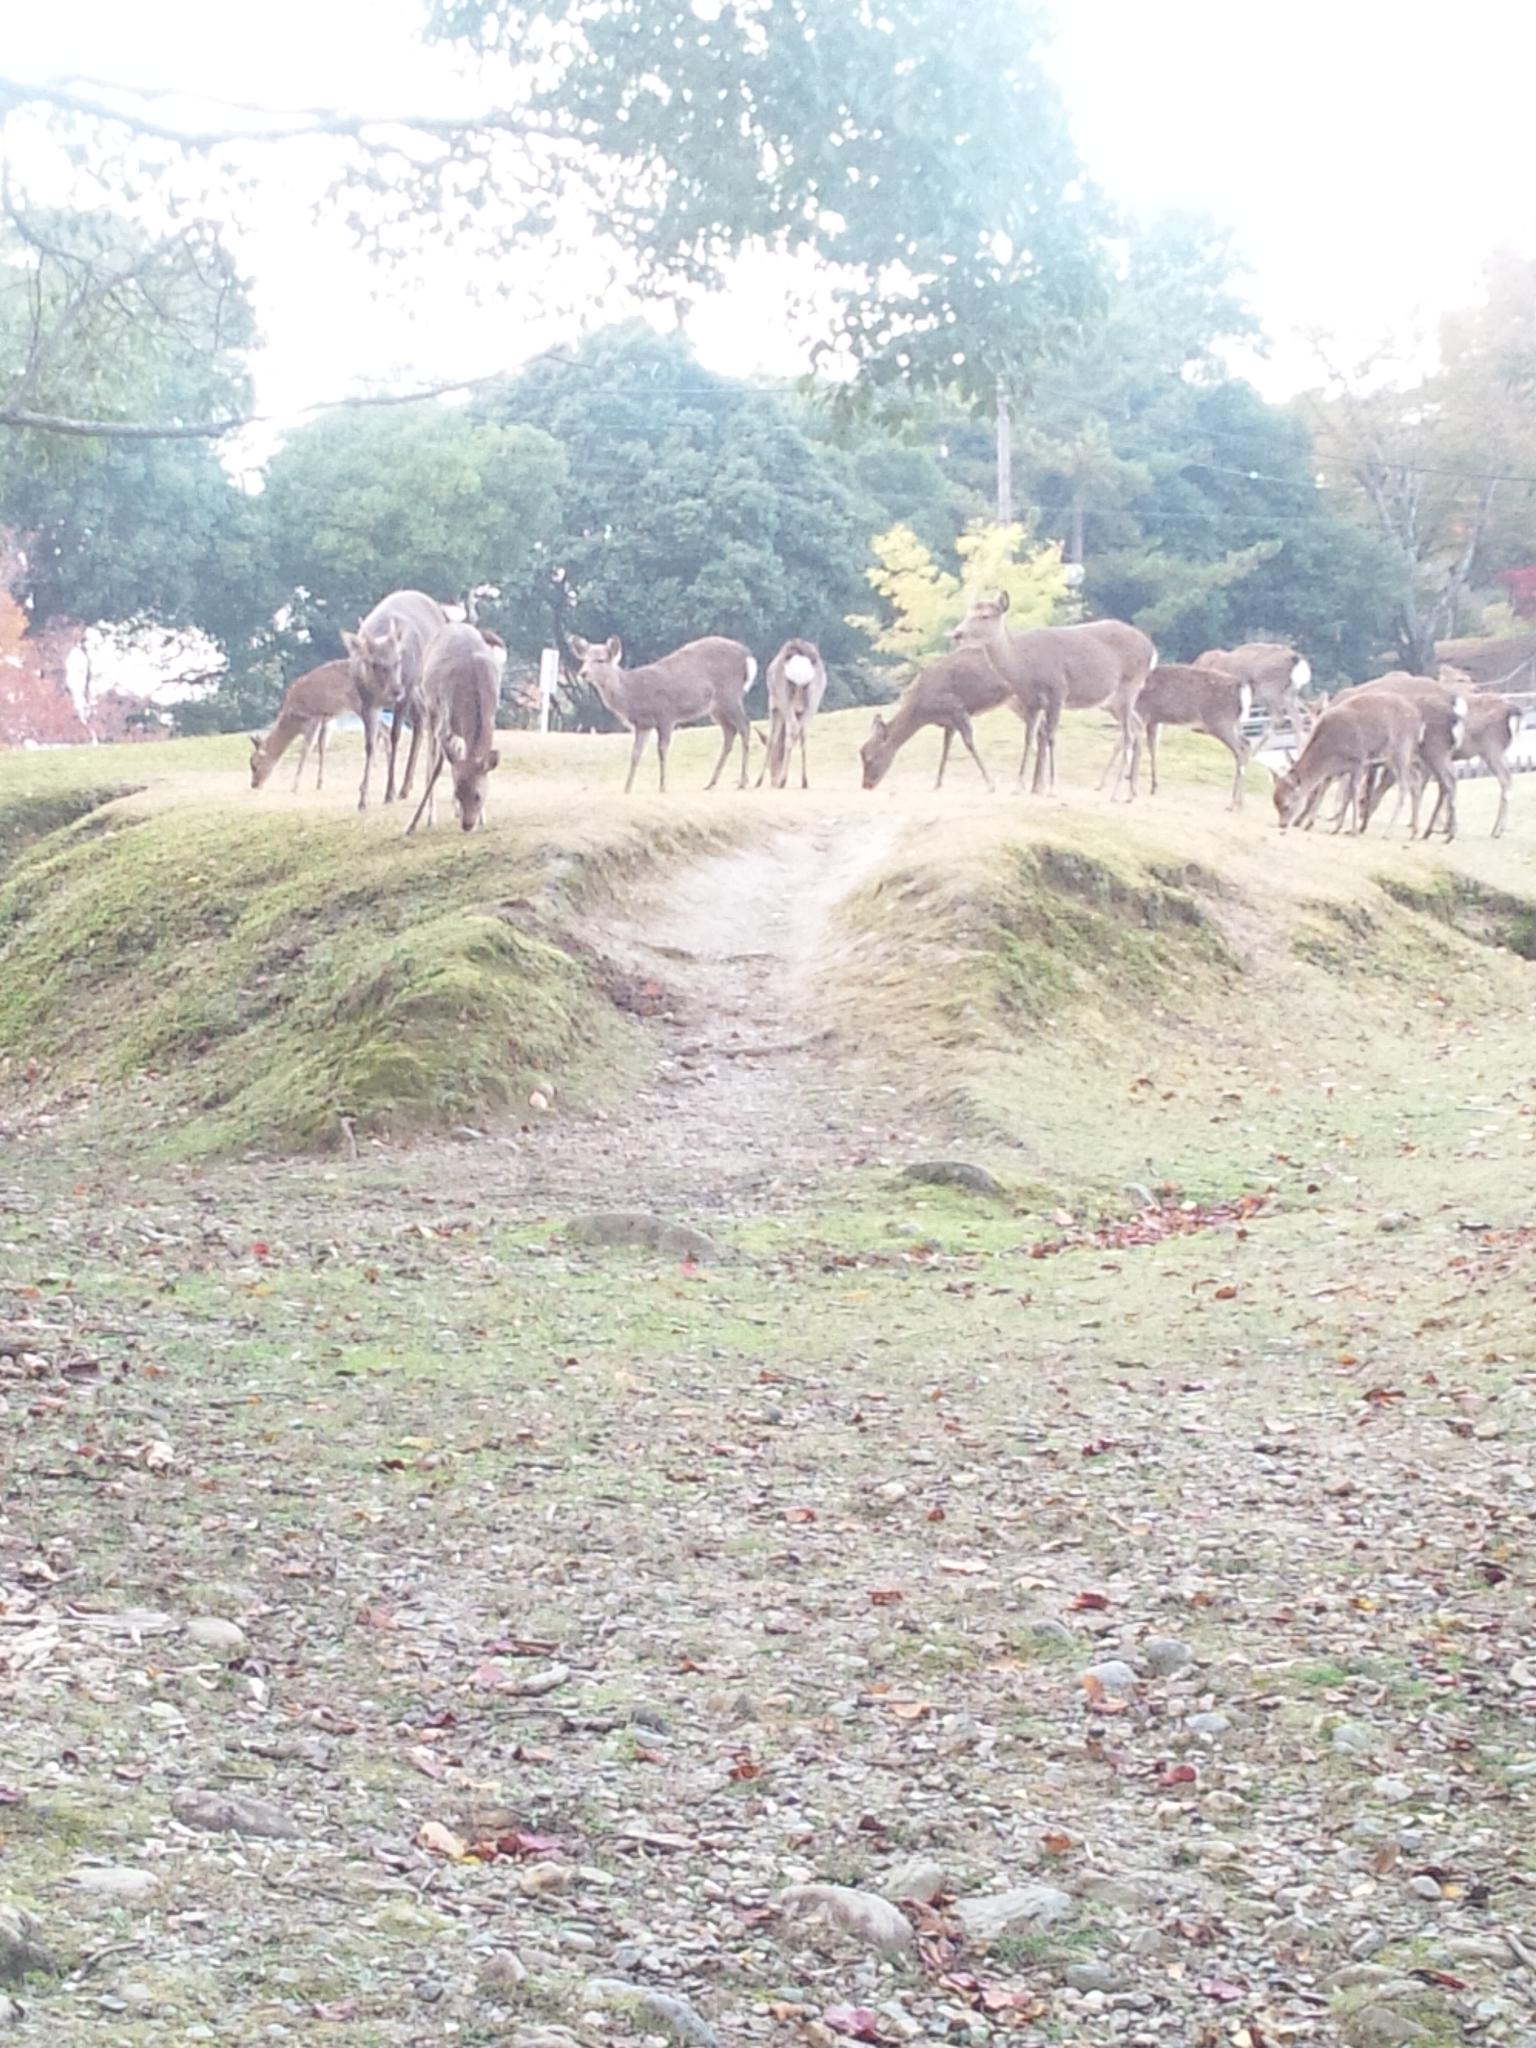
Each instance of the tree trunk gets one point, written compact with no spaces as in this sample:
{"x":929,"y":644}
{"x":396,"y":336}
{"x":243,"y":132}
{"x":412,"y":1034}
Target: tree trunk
{"x":1075,"y":534}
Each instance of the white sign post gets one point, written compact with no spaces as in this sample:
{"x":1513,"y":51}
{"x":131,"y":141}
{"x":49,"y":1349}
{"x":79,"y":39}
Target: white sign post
{"x":549,"y":675}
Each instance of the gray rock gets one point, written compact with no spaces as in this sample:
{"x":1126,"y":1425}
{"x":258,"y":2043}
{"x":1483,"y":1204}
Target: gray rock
{"x":1382,"y":2026}
{"x":1393,"y":1219}
{"x":675,"y":2015}
{"x":115,"y":1881}
{"x":1210,"y":1726}
{"x":11,"y":2012}
{"x":1115,"y":1675}
{"x":918,"y":1878}
{"x":208,"y":1632}
{"x":1477,"y":1948}
{"x":237,"y":1813}
{"x":1394,"y":1790}
{"x":1355,"y":1738}
{"x":502,"y":1975}
{"x":21,"y":1947}
{"x":1521,"y":1773}
{"x":1425,"y":1888}
{"x":638,"y":1229}
{"x":991,"y":1914}
{"x":1093,"y":1977}
{"x":543,"y":2037}
{"x":953,"y":1173}
{"x":1047,"y":1630}
{"x":1163,"y":1655}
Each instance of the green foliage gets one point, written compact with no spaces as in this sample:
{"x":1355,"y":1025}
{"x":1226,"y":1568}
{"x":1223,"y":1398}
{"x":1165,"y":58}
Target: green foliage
{"x":921,"y":600}
{"x":927,"y":160}
{"x":695,"y":504}
{"x":420,"y":497}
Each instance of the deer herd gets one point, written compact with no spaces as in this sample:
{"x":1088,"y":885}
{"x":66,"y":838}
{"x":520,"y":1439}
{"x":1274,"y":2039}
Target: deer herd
{"x":442,"y":679}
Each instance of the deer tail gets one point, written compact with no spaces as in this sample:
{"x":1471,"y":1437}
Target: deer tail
{"x":751,"y":674}
{"x":1245,"y":700}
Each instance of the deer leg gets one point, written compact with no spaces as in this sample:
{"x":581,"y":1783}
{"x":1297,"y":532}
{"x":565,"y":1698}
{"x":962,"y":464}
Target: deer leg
{"x":636,"y":750}
{"x":938,"y":780}
{"x":418,"y":720}
{"x":1506,"y":783}
{"x":805,"y":774}
{"x":1151,"y":732}
{"x":745,"y":730}
{"x":725,"y":753}
{"x":1112,"y":767}
{"x":1045,"y":749}
{"x":970,"y":747}
{"x":663,"y":748}
{"x":1240,"y":752}
{"x":325,"y":726}
{"x":394,"y":747}
{"x":427,"y":803}
{"x":1133,"y":730}
{"x":370,"y":717}
{"x":773,"y":737}
{"x":304,"y":746}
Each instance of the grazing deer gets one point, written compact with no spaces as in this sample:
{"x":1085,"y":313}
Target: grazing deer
{"x":797,"y":682}
{"x":711,"y":675}
{"x":309,"y":704}
{"x":1275,"y":673}
{"x":1052,"y":668}
{"x":1208,"y":699}
{"x":460,"y":683}
{"x":386,"y":655}
{"x":1351,"y":737}
{"x":1444,"y":709}
{"x":1491,"y":724}
{"x":948,"y":693}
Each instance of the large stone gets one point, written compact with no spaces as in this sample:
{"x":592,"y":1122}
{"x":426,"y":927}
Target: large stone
{"x":116,"y":1881}
{"x":21,"y":1947}
{"x":953,"y":1173}
{"x":918,"y":1878}
{"x":638,"y":1230}
{"x":1164,"y":1655}
{"x":990,"y":1915}
{"x":236,"y":1813}
{"x":208,"y":1632}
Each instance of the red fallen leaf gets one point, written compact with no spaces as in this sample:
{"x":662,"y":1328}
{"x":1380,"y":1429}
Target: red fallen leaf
{"x":1380,"y":1396}
{"x":1220,"y":1988}
{"x":261,"y":1249}
{"x":1098,"y":1447}
{"x":1179,"y":1774}
{"x":337,"y":2009}
{"x":1442,"y":1977}
{"x":799,"y":1514}
{"x":1055,"y":1843}
{"x":935,"y":1514}
{"x":524,"y":1842}
{"x":886,"y":1596}
{"x":854,"y":2022}
{"x":1225,"y":1294}
{"x":1082,"y":1603}
{"x":744,"y":1768}
{"x":12,"y":1795}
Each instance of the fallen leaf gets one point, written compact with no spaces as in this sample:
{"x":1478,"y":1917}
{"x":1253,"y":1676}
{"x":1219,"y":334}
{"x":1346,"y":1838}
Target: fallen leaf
{"x":854,"y":2022}
{"x":1219,"y":1988}
{"x":1083,"y":1603}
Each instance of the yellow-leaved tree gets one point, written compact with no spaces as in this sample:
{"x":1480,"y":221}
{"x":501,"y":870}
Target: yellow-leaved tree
{"x":921,"y":600}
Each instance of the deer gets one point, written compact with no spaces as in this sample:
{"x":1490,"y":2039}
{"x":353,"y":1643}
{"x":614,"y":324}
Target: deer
{"x":1275,"y":673}
{"x":1491,"y":724}
{"x":1051,"y":668}
{"x":309,"y":704}
{"x":1208,"y":699}
{"x":1352,"y":736}
{"x":1444,"y":709}
{"x":712,"y":675}
{"x":460,"y":684}
{"x":797,"y":682}
{"x":948,"y":693}
{"x":386,"y":655}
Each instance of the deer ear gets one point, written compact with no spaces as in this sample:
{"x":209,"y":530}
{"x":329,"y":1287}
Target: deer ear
{"x":1003,"y":600}
{"x":880,"y":727}
{"x":615,"y":648}
{"x":493,"y":758}
{"x":353,"y":642}
{"x":579,"y":647}
{"x":255,"y":742}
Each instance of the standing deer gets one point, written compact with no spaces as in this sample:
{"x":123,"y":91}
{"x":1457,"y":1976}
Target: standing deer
{"x":1492,"y":722}
{"x":460,"y":683}
{"x":797,"y":682}
{"x":712,"y":675}
{"x":308,"y":706}
{"x":948,"y":693}
{"x":1275,"y":673}
{"x":1051,"y":668}
{"x":1208,"y":699}
{"x":386,"y":655}
{"x":1444,"y":709}
{"x":1351,"y":737}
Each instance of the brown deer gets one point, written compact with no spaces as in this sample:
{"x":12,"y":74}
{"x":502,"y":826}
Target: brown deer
{"x":1052,"y":668}
{"x":712,"y":675}
{"x":1208,"y":699}
{"x":1491,"y":725}
{"x":386,"y":655}
{"x":797,"y":682}
{"x":1275,"y":673}
{"x":309,"y":704}
{"x":460,"y":683}
{"x":1444,"y":709}
{"x":948,"y":693}
{"x":1351,"y":737}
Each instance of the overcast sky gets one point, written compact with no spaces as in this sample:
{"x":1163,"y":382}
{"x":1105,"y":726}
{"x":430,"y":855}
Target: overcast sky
{"x":1366,"y":155}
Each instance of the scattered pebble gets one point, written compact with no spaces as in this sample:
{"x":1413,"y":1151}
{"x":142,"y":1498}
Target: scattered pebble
{"x":991,"y":1914}
{"x":239,"y":1813}
{"x":1164,"y":1655}
{"x":115,"y":1881}
{"x":1115,"y":1675}
{"x":918,"y":1878}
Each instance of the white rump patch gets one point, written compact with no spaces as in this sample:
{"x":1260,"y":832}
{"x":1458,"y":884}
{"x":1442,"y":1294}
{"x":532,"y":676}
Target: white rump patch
{"x":800,"y":669}
{"x":1301,"y":674}
{"x":1245,"y":700}
{"x":751,"y":673}
{"x":1152,"y":664}
{"x":1514,"y":721}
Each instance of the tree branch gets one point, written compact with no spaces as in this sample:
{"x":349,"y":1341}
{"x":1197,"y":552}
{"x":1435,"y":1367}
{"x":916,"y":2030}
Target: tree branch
{"x":96,"y":102}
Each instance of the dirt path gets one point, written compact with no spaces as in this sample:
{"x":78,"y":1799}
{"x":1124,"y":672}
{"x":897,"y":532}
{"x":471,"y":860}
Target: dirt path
{"x":747,"y":1100}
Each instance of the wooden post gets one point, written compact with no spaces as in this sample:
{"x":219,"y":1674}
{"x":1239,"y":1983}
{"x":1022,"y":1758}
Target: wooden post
{"x":549,"y":675}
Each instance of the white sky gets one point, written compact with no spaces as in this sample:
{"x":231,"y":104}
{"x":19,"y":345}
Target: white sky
{"x":1368,"y":155}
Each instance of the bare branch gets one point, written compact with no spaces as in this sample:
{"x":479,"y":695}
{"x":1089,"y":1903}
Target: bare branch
{"x":127,"y":107}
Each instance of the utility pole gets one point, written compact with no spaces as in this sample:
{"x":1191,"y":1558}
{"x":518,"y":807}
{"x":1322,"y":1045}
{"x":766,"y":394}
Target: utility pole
{"x":1004,"y":457}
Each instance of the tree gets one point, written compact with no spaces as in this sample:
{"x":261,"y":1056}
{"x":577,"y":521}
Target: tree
{"x":695,"y":505}
{"x":425,"y":497}
{"x":922,"y":600}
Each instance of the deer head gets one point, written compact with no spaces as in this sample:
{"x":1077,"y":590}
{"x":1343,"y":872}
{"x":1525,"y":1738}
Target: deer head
{"x":984,"y":619}
{"x":261,"y":760}
{"x":470,"y":775}
{"x":600,"y":663}
{"x":877,"y":752}
{"x":375,"y":662}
